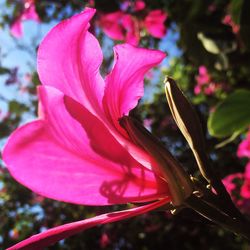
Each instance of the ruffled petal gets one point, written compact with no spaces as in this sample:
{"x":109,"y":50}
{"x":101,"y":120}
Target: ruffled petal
{"x":47,"y":238}
{"x":124,"y":85}
{"x":69,"y":59}
{"x":72,"y":157}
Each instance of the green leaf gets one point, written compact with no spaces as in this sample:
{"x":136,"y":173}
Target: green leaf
{"x":17,"y":108}
{"x":231,"y":116}
{"x":4,"y":70}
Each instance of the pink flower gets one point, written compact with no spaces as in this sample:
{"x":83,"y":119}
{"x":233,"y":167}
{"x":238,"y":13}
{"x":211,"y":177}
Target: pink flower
{"x":112,"y":25}
{"x":229,"y":21}
{"x":203,"y":77}
{"x":127,"y":27}
{"x":139,"y":5}
{"x":104,"y":241}
{"x":232,"y":184}
{"x":245,"y":190}
{"x":132,"y":29}
{"x":120,"y":26}
{"x":204,"y":82}
{"x":228,"y":181}
{"x":244,"y":147}
{"x":76,"y":150}
{"x":238,"y":186}
{"x":28,"y":13}
{"x":154,"y":23}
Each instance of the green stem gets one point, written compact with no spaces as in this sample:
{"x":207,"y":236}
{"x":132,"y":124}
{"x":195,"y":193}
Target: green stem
{"x":218,"y":217}
{"x":217,"y":184}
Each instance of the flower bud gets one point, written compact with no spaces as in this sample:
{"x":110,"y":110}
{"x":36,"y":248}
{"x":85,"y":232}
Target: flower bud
{"x":189,"y":124}
{"x":164,"y":164}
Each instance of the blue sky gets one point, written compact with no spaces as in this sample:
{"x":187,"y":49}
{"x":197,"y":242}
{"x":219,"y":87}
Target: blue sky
{"x":19,"y":53}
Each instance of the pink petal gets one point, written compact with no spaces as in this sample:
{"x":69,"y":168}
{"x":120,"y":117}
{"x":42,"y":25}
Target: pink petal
{"x":244,"y":148}
{"x":247,"y":171}
{"x":16,"y":28}
{"x":30,"y":13}
{"x":69,"y":58}
{"x":197,"y":89}
{"x":210,"y":88}
{"x":47,"y":238}
{"x":111,"y":25}
{"x":228,"y":181}
{"x":203,"y":70}
{"x":139,"y":5}
{"x":65,"y":157}
{"x":229,"y":21}
{"x":154,"y":23}
{"x":124,"y":85}
{"x":131,"y":26}
{"x":203,"y":79}
{"x":60,"y":66}
{"x":245,"y":189}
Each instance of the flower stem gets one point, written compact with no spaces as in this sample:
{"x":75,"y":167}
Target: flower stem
{"x":217,"y":184}
{"x":217,"y":216}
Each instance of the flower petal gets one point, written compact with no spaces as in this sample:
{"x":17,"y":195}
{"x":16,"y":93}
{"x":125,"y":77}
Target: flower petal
{"x":69,"y":59}
{"x":47,"y":238}
{"x":244,"y":147}
{"x":30,"y":13}
{"x":139,"y":5}
{"x":154,"y":23}
{"x":111,"y":25}
{"x":124,"y":85}
{"x":132,"y":29}
{"x":16,"y":28}
{"x":65,"y":157}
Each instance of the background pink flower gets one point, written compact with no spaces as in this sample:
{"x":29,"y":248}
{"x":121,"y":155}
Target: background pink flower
{"x":229,"y":21}
{"x":28,"y":13}
{"x":238,"y":186}
{"x":104,"y":240}
{"x":139,"y":5}
{"x":111,"y":24}
{"x":154,"y":23}
{"x":204,"y":82}
{"x":245,"y":190}
{"x":126,"y":26}
{"x":244,"y":147}
{"x":228,"y":181}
